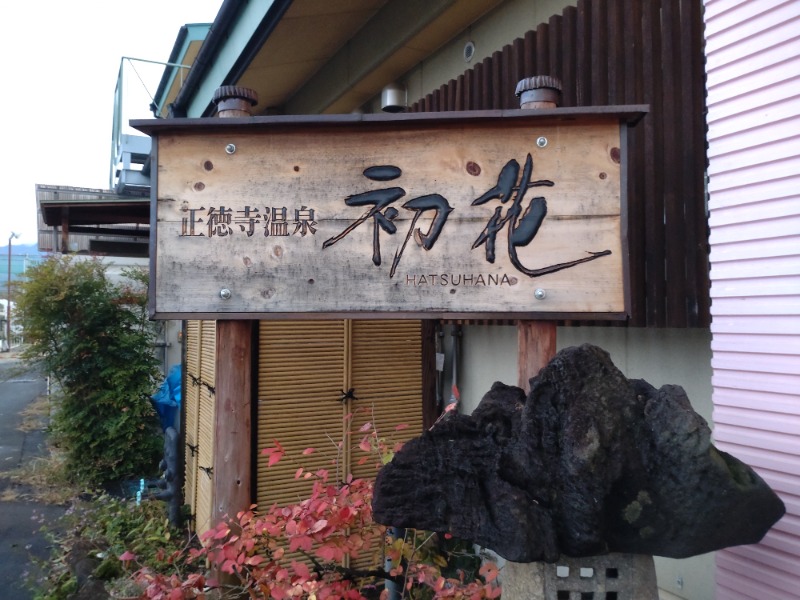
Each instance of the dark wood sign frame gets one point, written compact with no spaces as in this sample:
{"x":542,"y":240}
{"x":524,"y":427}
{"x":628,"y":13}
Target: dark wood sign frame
{"x":184,"y":192}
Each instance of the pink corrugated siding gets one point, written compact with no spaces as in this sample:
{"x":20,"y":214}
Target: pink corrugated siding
{"x":753,"y":68}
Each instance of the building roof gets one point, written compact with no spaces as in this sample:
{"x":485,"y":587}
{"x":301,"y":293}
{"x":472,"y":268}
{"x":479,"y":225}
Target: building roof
{"x":86,"y":206}
{"x":184,"y":52}
{"x":310,"y":57}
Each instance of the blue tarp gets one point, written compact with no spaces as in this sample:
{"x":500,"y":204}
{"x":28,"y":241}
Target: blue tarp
{"x":167,"y":400}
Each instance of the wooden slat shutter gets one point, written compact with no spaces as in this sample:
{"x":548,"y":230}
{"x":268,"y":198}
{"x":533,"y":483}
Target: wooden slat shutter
{"x":386,"y":377}
{"x":205,"y":453}
{"x":191,"y":402}
{"x":304,"y":371}
{"x":200,"y":378}
{"x":301,"y":374}
{"x":304,"y":368}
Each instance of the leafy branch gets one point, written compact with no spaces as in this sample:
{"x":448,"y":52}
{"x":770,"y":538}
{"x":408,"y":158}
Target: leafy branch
{"x":328,"y":547}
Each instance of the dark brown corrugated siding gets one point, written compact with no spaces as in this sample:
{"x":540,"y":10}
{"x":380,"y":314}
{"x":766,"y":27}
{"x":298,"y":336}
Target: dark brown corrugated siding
{"x":611,"y":52}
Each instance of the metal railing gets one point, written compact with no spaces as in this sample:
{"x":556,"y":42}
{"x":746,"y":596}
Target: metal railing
{"x":122,"y":114}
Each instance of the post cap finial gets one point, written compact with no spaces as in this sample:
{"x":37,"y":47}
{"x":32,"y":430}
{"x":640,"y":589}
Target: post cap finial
{"x":539,"y":91}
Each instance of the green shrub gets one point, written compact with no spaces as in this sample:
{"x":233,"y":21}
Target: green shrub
{"x":108,"y":531}
{"x":119,"y":526}
{"x":93,"y":337}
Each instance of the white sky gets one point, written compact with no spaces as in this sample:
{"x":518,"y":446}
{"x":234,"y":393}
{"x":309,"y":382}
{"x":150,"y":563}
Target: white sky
{"x":59,"y":62}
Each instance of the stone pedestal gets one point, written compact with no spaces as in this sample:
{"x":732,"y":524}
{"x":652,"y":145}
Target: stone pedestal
{"x":523,"y":581}
{"x":608,"y":577}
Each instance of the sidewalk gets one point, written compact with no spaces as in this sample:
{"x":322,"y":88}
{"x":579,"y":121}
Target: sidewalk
{"x":21,"y":516}
{"x":12,"y":354}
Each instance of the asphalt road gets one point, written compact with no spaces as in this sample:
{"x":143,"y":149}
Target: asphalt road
{"x":20,"y":519}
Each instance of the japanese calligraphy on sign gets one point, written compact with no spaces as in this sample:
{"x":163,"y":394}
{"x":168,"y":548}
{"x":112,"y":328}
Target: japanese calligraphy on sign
{"x":513,"y":217}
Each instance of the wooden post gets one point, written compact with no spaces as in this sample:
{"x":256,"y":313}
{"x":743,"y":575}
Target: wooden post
{"x":232,"y":489}
{"x":536,"y":345}
{"x":65,"y":229}
{"x":536,"y":339}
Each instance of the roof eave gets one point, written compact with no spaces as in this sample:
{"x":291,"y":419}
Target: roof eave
{"x":208,"y":71}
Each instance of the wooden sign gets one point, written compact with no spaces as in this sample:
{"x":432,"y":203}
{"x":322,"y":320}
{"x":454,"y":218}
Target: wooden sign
{"x":487,"y":215}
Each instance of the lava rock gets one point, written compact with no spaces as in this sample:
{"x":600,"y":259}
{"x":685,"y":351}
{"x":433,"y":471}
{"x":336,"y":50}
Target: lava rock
{"x":589,"y":463}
